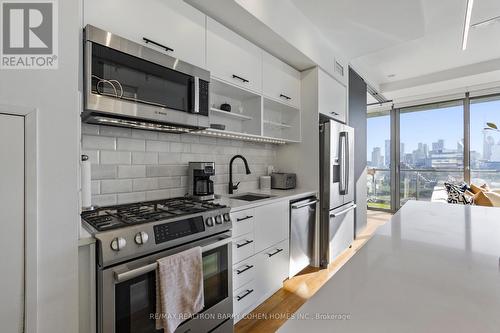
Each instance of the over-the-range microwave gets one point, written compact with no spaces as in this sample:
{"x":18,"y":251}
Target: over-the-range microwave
{"x":130,"y":85}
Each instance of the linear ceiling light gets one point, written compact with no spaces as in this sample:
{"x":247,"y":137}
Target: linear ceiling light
{"x":468,"y":15}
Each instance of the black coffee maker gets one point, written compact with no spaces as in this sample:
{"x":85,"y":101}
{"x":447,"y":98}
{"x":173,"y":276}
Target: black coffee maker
{"x":201,"y":187}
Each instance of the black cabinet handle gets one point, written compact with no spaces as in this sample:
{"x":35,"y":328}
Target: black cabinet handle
{"x":248,"y":292}
{"x":243,"y":218}
{"x":239,"y":271}
{"x":275,"y":253}
{"x":244,"y":244}
{"x":334,"y":113}
{"x":285,"y":96}
{"x":240,"y":78}
{"x":147,"y":40}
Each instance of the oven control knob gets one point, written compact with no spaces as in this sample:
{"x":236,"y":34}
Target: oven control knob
{"x":118,"y":244}
{"x":218,"y":219}
{"x":209,"y":222}
{"x":141,"y":238}
{"x":227,"y":217}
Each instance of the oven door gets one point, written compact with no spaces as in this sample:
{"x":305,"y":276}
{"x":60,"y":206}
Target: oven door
{"x":127,"y":293}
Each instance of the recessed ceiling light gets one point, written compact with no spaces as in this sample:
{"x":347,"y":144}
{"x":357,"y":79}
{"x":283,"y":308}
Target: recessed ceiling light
{"x":391,"y":75}
{"x":468,"y":14}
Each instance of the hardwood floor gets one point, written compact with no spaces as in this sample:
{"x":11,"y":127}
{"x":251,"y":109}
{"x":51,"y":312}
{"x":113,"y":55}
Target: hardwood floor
{"x":273,"y":313}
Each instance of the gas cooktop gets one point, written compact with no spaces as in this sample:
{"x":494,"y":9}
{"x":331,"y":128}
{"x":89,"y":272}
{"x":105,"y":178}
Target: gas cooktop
{"x":113,"y":217}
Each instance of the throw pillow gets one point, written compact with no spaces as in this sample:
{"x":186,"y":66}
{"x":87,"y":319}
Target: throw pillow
{"x":456,"y":194}
{"x":494,"y":198}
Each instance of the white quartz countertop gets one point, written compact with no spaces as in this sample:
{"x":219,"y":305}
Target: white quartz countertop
{"x":85,"y":238}
{"x":276,"y":195}
{"x":435,"y":268}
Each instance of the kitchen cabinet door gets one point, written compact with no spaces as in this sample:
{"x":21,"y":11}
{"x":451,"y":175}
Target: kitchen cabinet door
{"x":272,"y":269}
{"x":232,"y":58}
{"x":12,"y":223}
{"x":270,"y":224}
{"x":332,"y":97}
{"x":280,"y":81}
{"x":172,"y":23}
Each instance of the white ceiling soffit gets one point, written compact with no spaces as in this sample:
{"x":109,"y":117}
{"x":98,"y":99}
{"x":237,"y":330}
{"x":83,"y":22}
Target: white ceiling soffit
{"x":436,"y":60}
{"x":359,"y":27}
{"x":233,"y":15}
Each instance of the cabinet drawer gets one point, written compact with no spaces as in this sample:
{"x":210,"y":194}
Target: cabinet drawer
{"x":273,"y":268}
{"x":243,"y":222}
{"x":244,"y":272}
{"x":280,"y":81}
{"x":271,"y":224}
{"x":232,"y":58}
{"x":244,"y":298}
{"x":243,"y":247}
{"x":172,"y":23}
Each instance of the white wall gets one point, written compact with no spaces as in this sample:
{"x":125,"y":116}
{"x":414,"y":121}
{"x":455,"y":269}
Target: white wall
{"x":55,"y":94}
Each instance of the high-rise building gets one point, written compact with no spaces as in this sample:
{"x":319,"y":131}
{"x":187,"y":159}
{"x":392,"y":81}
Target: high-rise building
{"x":488,"y":143}
{"x":387,"y":153}
{"x":376,"y":157}
{"x":438,"y":146}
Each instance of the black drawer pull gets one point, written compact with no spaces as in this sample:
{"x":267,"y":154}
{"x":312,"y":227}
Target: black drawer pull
{"x":147,"y":40}
{"x":285,"y":96}
{"x":248,"y":292}
{"x":334,"y":113}
{"x":244,"y":269}
{"x":244,"y":244}
{"x":243,"y":218}
{"x":275,"y":253}
{"x":240,"y":78}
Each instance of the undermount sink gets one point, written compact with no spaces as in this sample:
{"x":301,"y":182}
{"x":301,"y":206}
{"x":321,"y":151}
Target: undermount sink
{"x":251,"y":197}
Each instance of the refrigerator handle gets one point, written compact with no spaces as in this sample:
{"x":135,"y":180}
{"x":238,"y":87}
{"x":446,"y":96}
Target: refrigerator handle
{"x":343,"y":163}
{"x":347,"y":163}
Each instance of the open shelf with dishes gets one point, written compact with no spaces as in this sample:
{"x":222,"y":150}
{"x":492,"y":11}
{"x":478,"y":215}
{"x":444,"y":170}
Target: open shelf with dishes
{"x":281,"y":121}
{"x":245,"y":108}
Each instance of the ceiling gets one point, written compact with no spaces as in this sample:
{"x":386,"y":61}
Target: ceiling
{"x":399,"y":44}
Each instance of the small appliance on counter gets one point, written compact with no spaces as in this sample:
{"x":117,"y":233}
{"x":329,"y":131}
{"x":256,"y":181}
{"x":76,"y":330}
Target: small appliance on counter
{"x":201,"y":187}
{"x":283,"y":181}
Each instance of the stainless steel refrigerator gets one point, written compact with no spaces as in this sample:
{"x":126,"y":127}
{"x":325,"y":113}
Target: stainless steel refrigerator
{"x":337,"y":190}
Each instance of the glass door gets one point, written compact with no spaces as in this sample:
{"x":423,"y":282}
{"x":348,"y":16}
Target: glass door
{"x":379,"y":160}
{"x":485,"y":141}
{"x":431,"y":150}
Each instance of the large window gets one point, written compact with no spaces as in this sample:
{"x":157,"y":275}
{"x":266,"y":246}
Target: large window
{"x":433,"y":143}
{"x":431,"y":149}
{"x":379,"y":160}
{"x":485,"y":141}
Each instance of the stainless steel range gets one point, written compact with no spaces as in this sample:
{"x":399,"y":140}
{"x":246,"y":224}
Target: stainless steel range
{"x":132,"y":237}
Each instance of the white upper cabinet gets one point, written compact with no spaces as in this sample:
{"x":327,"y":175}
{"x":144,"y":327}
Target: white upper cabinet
{"x":171,"y":23}
{"x":332,"y":99}
{"x":232,"y":58}
{"x":280,"y":81}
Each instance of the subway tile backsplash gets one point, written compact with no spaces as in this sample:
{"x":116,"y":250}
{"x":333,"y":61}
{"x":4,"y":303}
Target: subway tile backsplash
{"x":133,"y":165}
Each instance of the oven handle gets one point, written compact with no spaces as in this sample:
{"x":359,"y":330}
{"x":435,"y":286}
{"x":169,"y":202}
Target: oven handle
{"x":133,"y":273}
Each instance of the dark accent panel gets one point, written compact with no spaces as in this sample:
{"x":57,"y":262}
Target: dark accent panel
{"x":357,"y":120}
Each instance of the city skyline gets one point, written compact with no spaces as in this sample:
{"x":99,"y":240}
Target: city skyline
{"x":432,"y":129}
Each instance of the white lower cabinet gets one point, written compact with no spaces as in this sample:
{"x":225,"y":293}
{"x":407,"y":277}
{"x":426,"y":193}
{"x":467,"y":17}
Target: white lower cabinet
{"x":272,"y":269}
{"x":260,"y":255}
{"x":243,"y":247}
{"x":244,"y":299}
{"x":271,"y":224}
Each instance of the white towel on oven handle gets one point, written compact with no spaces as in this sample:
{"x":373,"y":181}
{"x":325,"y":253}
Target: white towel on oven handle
{"x":179,"y":288}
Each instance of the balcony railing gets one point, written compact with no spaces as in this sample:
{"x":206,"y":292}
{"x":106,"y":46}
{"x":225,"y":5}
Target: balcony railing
{"x":419,"y":184}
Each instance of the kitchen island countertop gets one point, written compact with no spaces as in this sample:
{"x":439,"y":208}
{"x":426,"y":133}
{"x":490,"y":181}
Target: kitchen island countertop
{"x":434,"y":268}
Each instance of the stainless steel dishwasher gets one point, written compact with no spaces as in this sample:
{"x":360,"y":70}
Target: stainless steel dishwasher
{"x":302,"y":224}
